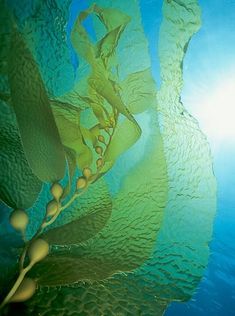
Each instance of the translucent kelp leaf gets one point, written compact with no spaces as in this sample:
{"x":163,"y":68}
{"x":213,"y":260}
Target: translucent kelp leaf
{"x":99,"y":77}
{"x":182,"y":251}
{"x":126,"y":134}
{"x":19,"y":187}
{"x":98,"y":111}
{"x":66,"y":268}
{"x":83,"y":228}
{"x":68,"y":121}
{"x":138,"y":91}
{"x":75,"y":96}
{"x":96,"y":198}
{"x":106,"y":46}
{"x":39,"y":134}
{"x":91,"y":134}
{"x":79,"y":230}
{"x":100,"y":80}
{"x":115,"y":22}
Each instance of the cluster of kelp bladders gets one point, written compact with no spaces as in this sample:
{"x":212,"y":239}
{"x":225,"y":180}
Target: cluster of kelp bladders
{"x":47,"y":134}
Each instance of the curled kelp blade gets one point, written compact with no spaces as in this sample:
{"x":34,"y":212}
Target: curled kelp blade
{"x":19,"y":187}
{"x":38,"y":130}
{"x":100,"y":77}
{"x":115,"y":21}
{"x":100,"y":80}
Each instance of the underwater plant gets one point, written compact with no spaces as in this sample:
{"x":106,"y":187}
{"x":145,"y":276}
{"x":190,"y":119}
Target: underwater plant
{"x":92,"y":165}
{"x":50,"y":132}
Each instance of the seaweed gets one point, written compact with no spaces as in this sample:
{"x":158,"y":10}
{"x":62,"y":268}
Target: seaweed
{"x":19,"y":186}
{"x":56,"y":132}
{"x":116,"y":226}
{"x":33,"y":113}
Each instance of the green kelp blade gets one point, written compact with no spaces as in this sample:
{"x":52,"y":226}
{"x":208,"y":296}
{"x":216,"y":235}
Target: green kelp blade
{"x":99,"y":113}
{"x":112,"y":18}
{"x":91,"y":212}
{"x":138,"y":91}
{"x":126,"y":135}
{"x":77,"y":96}
{"x":182,"y":250}
{"x":68,"y":122}
{"x":65,"y":109}
{"x":19,"y":187}
{"x":104,"y":88}
{"x":98,"y":79}
{"x":80,"y":39}
{"x":5,"y":29}
{"x":82,"y":229}
{"x":106,"y":46}
{"x":66,"y":269}
{"x":38,"y":131}
{"x":91,"y":134}
{"x":115,"y":22}
{"x":131,"y":232}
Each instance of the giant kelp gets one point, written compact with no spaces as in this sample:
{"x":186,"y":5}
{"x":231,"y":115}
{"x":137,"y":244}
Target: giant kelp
{"x":19,"y":186}
{"x":33,"y":113}
{"x":113,"y":249}
{"x":192,"y":199}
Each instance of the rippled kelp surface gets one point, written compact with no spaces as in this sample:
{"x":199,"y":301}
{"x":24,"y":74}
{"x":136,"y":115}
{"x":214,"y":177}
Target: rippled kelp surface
{"x":137,"y":239}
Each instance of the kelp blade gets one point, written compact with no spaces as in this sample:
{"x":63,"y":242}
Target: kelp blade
{"x":90,"y":220}
{"x":39,"y":134}
{"x":19,"y":187}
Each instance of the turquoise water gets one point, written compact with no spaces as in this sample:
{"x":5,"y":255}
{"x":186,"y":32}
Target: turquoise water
{"x":210,"y":54}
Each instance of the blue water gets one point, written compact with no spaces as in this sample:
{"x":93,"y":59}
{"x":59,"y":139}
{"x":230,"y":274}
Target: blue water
{"x":210,"y":53}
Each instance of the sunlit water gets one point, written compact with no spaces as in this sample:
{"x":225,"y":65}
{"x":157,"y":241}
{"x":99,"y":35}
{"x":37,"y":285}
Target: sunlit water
{"x":209,"y":95}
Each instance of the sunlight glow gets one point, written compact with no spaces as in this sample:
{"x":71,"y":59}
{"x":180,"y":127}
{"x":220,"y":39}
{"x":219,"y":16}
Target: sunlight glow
{"x":213,"y":105}
{"x":217,"y":115}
